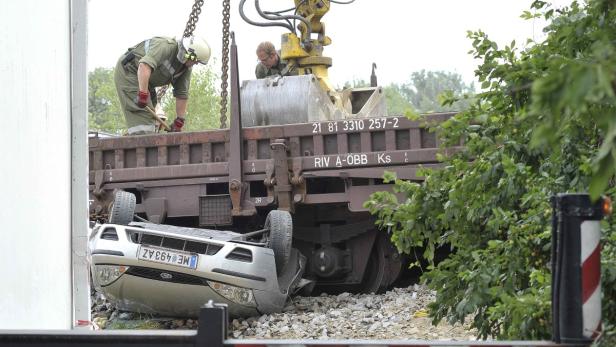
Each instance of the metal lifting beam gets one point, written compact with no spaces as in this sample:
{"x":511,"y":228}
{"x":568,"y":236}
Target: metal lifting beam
{"x":237,"y":187}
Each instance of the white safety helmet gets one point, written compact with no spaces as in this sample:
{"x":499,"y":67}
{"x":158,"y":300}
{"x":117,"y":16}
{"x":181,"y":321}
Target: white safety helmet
{"x":194,"y":48}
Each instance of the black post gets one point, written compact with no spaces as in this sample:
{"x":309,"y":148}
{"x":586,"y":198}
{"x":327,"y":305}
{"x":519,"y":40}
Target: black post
{"x":576,"y":286}
{"x":212,"y":331}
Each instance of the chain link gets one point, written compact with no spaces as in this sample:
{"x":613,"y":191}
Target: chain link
{"x":188,"y":31}
{"x":225,"y":64}
{"x":160,"y":93}
{"x":193,"y":18}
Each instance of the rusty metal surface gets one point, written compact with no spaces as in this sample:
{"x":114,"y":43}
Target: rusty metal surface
{"x":281,"y":176}
{"x":351,"y":126}
{"x":220,"y":161}
{"x":237,"y":187}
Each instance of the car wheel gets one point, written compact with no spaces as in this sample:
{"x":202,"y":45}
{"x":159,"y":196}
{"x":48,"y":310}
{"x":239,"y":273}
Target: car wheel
{"x":123,"y":208}
{"x":280,"y":225}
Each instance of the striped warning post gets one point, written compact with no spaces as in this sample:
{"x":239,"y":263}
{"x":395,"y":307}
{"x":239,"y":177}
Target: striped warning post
{"x":591,"y":277}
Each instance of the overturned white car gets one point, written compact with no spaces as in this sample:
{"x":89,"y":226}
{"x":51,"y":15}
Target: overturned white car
{"x":173,"y":271}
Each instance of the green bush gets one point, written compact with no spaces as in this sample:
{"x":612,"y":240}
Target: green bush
{"x":540,"y":127}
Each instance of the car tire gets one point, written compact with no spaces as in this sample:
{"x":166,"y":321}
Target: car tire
{"x":123,"y":208}
{"x":280,"y":225}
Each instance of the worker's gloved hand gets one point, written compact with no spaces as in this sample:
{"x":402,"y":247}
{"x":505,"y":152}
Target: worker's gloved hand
{"x":177,"y":125}
{"x":142,"y":99}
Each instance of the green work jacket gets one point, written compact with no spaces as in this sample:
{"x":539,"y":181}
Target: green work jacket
{"x":160,"y":53}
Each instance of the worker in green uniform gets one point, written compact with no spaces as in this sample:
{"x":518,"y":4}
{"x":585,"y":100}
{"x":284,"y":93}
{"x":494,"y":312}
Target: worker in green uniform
{"x":270,"y":63}
{"x":153,"y":63}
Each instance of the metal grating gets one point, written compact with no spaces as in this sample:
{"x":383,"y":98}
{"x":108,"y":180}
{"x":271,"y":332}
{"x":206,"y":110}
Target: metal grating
{"x":215,"y":210}
{"x":196,"y":247}
{"x":152,"y":240}
{"x":174,"y":243}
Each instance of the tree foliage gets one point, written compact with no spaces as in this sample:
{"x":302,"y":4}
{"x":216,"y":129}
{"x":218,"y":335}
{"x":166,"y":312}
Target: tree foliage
{"x":425,"y":90}
{"x":490,"y":201}
{"x":104,"y":112}
{"x":203,"y":104}
{"x":578,"y":83}
{"x":397,"y":104}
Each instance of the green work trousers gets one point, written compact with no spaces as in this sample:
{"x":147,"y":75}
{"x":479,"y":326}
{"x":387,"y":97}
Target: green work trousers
{"x":138,"y":120}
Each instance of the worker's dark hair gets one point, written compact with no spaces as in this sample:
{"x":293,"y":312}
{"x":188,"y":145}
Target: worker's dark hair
{"x":266,"y":47}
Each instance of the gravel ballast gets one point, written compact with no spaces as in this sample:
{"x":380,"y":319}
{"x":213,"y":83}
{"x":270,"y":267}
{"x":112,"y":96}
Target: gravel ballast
{"x":400,"y":313}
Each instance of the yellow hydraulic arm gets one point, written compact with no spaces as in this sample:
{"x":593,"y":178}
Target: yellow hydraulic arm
{"x":305,"y":52}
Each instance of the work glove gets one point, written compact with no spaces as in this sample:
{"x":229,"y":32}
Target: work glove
{"x":177,"y":125}
{"x":142,"y":99}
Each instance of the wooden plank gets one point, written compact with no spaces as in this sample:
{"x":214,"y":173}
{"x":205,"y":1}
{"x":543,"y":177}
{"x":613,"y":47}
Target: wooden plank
{"x":162,"y":155}
{"x":318,"y":144}
{"x":119,"y":159}
{"x":141,"y":157}
{"x":368,"y":159}
{"x":415,"y":138}
{"x":252,"y":149}
{"x":343,"y":143}
{"x":294,"y":146}
{"x":98,"y":160}
{"x":390,"y":140}
{"x":207,"y":152}
{"x":266,"y":132}
{"x":184,"y":154}
{"x":366,"y":142}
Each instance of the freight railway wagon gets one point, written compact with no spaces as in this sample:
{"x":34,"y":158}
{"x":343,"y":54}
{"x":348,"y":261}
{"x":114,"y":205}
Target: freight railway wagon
{"x":321,"y":172}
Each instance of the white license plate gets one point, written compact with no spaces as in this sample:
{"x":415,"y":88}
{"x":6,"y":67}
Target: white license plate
{"x":166,"y":256}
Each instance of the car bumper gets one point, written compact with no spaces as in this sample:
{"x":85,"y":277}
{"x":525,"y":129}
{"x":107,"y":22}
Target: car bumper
{"x":137,"y":294}
{"x":172,"y":290}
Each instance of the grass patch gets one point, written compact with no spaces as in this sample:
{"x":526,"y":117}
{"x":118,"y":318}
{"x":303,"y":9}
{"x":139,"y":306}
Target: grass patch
{"x":134,"y":325}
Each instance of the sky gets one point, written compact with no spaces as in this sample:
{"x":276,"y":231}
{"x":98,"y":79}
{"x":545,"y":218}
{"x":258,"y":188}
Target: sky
{"x":400,"y":36}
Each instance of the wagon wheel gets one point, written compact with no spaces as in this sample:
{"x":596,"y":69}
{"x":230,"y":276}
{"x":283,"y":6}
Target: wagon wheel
{"x":280,"y":225}
{"x":122,"y":208}
{"x":375,"y":270}
{"x":383,"y":266}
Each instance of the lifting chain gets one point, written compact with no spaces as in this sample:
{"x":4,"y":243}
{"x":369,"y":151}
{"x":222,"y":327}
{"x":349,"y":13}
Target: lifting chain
{"x":160,"y":93}
{"x":188,"y":31}
{"x":193,"y":18}
{"x":225,"y":63}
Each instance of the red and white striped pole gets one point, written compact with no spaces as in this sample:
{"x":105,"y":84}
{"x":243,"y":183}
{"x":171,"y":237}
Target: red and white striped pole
{"x":591,"y":278}
{"x":576,"y":267}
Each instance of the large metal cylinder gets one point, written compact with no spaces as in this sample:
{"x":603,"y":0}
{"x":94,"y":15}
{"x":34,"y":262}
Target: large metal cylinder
{"x":300,"y":99}
{"x":284,"y":100}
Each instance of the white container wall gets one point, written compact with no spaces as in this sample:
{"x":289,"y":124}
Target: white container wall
{"x":37,"y":140}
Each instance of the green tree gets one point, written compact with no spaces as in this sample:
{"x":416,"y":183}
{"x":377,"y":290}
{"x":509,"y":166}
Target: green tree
{"x":203,"y":104}
{"x":356,"y":83}
{"x":397,"y":104}
{"x":578,"y":84}
{"x":424,"y":93}
{"x":104,"y":112}
{"x":425,"y":89}
{"x":490,"y":202}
